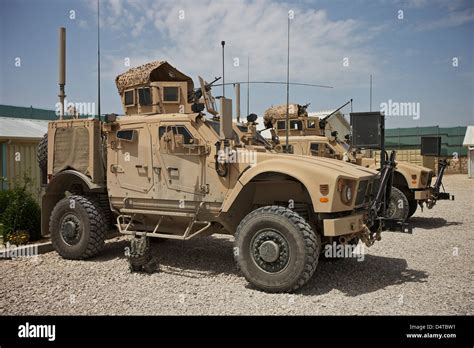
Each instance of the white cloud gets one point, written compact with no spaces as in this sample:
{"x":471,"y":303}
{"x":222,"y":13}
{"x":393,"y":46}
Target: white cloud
{"x":452,"y":19}
{"x":255,"y":28}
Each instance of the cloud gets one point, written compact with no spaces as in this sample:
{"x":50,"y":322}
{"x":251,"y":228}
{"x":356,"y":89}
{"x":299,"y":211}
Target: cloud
{"x":188,"y":34}
{"x":453,"y":19}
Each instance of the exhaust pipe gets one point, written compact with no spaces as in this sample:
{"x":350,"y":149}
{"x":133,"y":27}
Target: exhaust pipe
{"x":237,"y":101}
{"x":62,"y":69}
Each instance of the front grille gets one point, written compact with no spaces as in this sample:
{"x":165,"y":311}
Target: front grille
{"x":361,"y":190}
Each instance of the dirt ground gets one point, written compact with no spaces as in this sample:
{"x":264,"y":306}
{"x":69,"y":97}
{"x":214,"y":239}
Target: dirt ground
{"x":430,"y":271}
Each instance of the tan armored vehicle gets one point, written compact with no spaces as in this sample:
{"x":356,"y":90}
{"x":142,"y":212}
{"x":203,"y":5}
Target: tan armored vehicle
{"x":411,"y":183}
{"x":157,"y":172}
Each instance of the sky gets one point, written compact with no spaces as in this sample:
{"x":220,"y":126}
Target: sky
{"x":419,"y":52}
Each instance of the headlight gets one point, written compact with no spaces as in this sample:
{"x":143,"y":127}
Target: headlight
{"x":346,"y":194}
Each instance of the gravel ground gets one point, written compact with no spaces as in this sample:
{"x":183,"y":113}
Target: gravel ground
{"x":427,"y":272}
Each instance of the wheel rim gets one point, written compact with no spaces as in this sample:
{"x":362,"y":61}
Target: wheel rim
{"x":392,"y":208}
{"x":71,"y":229}
{"x":270,"y":251}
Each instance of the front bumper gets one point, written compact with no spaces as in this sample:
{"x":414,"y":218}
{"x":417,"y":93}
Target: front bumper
{"x":423,"y":195}
{"x":344,"y":225}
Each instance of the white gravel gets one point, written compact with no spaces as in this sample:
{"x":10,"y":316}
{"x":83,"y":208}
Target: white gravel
{"x":427,"y":272}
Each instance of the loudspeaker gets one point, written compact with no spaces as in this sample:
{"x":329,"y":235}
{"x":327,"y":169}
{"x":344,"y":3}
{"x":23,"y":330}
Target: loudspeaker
{"x":367,"y":130}
{"x":431,"y":146}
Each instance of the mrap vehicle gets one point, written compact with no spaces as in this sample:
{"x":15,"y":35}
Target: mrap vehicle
{"x":155,"y":172}
{"x":308,"y":136}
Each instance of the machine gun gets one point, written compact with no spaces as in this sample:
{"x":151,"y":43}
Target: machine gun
{"x":197,"y":93}
{"x":323,"y":121}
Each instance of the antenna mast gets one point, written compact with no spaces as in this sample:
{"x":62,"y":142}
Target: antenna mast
{"x":62,"y":69}
{"x":98,"y":58}
{"x":248,"y":85}
{"x":288,"y":91}
{"x":223,"y":71}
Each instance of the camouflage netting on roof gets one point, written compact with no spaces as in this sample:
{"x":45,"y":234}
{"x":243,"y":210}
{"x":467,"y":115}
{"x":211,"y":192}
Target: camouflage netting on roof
{"x":150,"y":72}
{"x":279,"y":112}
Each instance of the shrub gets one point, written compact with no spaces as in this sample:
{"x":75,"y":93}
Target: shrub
{"x":19,"y":211}
{"x":18,"y":237}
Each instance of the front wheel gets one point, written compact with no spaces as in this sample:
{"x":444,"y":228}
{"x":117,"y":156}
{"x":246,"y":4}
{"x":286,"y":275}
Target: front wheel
{"x":78,"y":227}
{"x":276,"y":249}
{"x":398,"y":206}
{"x":413,"y":206}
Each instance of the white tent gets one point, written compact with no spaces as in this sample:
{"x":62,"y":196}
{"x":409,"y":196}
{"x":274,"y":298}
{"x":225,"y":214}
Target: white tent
{"x":469,"y":143}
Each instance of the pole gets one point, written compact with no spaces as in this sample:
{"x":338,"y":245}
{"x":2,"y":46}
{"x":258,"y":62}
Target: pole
{"x":248,"y":85}
{"x":98,"y":58}
{"x":223,"y":71}
{"x":288,"y":91}
{"x":62,"y":69}
{"x":370,"y":92}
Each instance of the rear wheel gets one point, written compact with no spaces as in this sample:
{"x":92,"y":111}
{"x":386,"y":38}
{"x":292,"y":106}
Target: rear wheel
{"x":78,"y":227}
{"x":398,"y":206}
{"x":276,"y":249}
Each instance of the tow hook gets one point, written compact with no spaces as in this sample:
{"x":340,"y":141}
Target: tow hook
{"x":368,"y":237}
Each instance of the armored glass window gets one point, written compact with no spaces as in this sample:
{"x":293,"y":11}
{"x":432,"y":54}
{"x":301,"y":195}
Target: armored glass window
{"x":187,"y":137}
{"x":281,"y":124}
{"x":216,"y":126}
{"x":314,"y":147}
{"x":129,"y":99}
{"x":296,"y":125}
{"x":144,"y":96}
{"x":311,"y":123}
{"x":161,"y":131}
{"x":181,"y":130}
{"x":128,"y":135}
{"x":170,"y":94}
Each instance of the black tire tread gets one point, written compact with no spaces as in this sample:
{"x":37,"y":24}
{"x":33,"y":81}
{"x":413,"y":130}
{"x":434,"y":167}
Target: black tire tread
{"x":311,"y":240}
{"x":97,"y":221}
{"x":42,"y":152}
{"x":400,"y":195}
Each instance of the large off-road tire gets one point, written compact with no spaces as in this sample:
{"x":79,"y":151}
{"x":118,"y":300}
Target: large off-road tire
{"x":42,"y":152}
{"x":413,"y":206}
{"x":78,"y":227}
{"x":398,"y":206}
{"x":276,"y":249}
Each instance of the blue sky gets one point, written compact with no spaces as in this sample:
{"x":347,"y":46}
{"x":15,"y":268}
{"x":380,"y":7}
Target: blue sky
{"x":411,"y":58}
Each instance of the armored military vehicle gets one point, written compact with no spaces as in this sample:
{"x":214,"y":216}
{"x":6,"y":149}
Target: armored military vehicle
{"x":157,"y":172}
{"x":308,"y":136}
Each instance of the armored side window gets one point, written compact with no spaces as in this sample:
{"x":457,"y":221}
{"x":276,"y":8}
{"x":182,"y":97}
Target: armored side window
{"x":144,"y":96}
{"x":314,"y":148}
{"x":129,"y":97}
{"x":161,"y":131}
{"x":170,"y":94}
{"x":311,"y":123}
{"x":182,"y":130}
{"x":127,"y":135}
{"x":296,"y":125}
{"x":281,"y":124}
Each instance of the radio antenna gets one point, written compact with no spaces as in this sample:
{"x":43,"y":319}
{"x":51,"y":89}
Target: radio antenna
{"x":98,"y":58}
